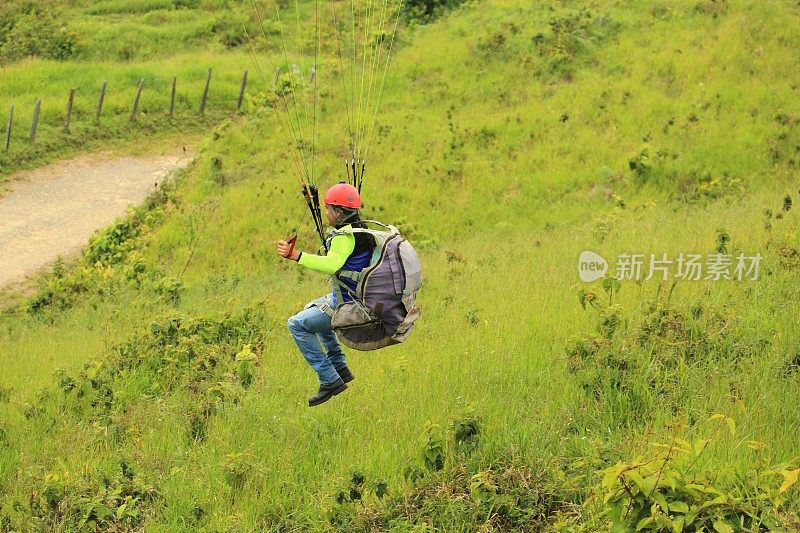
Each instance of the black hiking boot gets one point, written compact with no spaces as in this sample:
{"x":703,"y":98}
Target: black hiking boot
{"x":326,"y":392}
{"x":345,"y":374}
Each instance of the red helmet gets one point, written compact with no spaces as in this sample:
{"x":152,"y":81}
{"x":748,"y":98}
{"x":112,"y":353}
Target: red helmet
{"x":343,"y":195}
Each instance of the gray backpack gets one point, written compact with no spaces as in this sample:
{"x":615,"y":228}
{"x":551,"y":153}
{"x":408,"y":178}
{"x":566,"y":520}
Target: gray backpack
{"x":383,"y":310}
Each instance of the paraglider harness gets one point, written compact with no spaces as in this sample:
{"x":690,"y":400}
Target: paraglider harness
{"x":383,"y":309}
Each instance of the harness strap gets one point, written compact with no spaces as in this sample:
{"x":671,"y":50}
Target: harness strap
{"x":337,"y":292}
{"x":391,"y":229}
{"x":338,"y":285}
{"x":327,"y":309}
{"x":350,"y":274}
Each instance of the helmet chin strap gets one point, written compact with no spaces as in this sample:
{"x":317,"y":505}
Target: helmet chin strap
{"x":339,"y":215}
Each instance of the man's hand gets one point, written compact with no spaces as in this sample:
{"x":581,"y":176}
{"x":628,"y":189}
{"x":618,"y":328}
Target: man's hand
{"x":283,"y":251}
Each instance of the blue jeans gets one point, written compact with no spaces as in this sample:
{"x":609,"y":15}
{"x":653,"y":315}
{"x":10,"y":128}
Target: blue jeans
{"x":311,"y":329}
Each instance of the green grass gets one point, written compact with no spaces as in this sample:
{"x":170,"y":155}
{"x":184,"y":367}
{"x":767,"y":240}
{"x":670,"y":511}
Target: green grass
{"x":501,"y":159}
{"x":52,"y":81}
{"x":121,"y":43}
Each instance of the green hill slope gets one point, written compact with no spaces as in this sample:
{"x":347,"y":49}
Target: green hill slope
{"x":49,"y":48}
{"x":154,"y":385}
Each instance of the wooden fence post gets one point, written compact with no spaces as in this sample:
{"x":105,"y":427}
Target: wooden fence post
{"x":8,"y":127}
{"x":35,"y":122}
{"x":102,"y":99}
{"x":136,"y":101}
{"x":172,"y":98}
{"x":69,"y":108}
{"x":205,"y":95}
{"x":241,"y":92}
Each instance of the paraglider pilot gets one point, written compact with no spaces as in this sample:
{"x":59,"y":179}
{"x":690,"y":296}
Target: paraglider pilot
{"x":311,"y":327}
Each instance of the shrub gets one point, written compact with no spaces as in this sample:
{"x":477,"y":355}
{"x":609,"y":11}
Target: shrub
{"x":29,"y":28}
{"x":664,"y":491}
{"x":425,"y":11}
{"x":113,"y":7}
{"x":213,"y":360}
{"x":572,"y":35}
{"x":633,"y":363}
{"x":111,"y":249}
{"x":114,"y":501}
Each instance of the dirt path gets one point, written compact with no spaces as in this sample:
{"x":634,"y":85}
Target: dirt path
{"x":52,"y":211}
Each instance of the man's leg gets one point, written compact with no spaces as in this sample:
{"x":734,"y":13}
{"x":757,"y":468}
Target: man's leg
{"x":331,"y":344}
{"x":305,"y":326}
{"x":335,"y":355}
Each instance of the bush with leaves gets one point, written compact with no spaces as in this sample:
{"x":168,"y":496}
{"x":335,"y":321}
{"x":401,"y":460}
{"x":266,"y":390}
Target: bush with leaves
{"x":111,"y":250}
{"x":209,"y":360}
{"x":425,"y":11}
{"x":633,"y":363}
{"x":200,"y":365}
{"x":665,"y":490}
{"x":571,"y":35}
{"x":453,"y":488}
{"x":30,"y":28}
{"x":117,"y":500}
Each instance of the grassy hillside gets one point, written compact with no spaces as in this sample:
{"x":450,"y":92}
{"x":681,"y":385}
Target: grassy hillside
{"x":47,"y":48}
{"x":155,"y":386}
